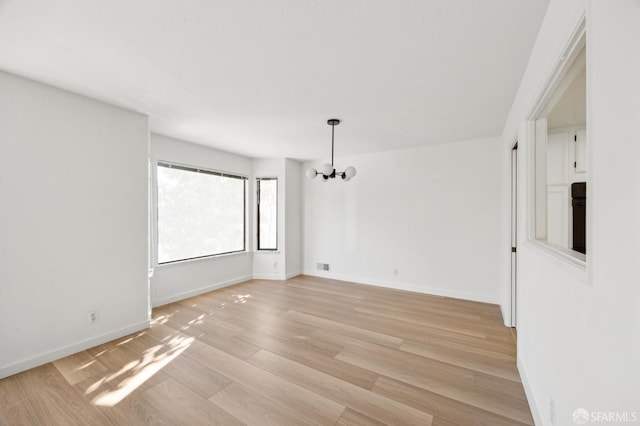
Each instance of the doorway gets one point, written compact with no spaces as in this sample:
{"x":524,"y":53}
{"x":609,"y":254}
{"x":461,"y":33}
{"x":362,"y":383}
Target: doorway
{"x":514,"y":234}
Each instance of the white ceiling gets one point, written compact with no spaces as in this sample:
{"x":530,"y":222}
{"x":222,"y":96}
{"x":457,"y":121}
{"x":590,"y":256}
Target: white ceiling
{"x":261,"y":78}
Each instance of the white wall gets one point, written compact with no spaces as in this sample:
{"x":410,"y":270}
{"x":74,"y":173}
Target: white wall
{"x":271,"y":264}
{"x":73,"y":223}
{"x":432,"y":213}
{"x":578,"y":329}
{"x":293,"y":213}
{"x":180,"y":280}
{"x":286,"y":261}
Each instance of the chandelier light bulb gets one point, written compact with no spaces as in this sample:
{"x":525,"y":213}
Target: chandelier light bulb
{"x":311,"y":173}
{"x":326,"y":169}
{"x":350,"y":172}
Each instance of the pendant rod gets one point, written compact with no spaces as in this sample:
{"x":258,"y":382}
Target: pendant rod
{"x":333,"y":127}
{"x":333,"y":122}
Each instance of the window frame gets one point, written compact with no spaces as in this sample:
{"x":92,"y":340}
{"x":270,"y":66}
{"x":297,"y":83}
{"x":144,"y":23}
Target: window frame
{"x":536,"y":126}
{"x":197,"y":169}
{"x":258,"y":180}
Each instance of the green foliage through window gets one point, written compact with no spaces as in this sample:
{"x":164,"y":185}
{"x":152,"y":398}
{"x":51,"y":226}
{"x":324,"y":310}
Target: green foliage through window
{"x":200,"y":213}
{"x":267,"y":213}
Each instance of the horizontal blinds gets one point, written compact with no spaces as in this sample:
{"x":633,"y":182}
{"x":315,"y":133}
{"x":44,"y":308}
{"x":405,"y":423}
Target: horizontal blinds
{"x":198,"y":170}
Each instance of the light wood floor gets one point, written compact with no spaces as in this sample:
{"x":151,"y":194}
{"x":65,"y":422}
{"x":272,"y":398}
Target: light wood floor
{"x":304,"y":351}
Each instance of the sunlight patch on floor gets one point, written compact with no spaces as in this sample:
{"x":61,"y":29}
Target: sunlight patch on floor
{"x":137,"y":372}
{"x":241,"y":298}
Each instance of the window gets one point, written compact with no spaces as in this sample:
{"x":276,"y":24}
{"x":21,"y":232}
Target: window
{"x":200,"y":213}
{"x":560,"y":160}
{"x":267,"y":213}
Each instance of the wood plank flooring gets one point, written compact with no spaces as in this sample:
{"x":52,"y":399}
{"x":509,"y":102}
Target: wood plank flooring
{"x":307,"y":351}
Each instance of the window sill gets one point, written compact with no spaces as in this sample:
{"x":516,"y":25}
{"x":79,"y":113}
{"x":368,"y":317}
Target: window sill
{"x":572,"y":257}
{"x":200,"y":259}
{"x":267,"y":251}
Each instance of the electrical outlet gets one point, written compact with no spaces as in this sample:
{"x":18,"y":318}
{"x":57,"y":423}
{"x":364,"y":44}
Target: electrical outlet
{"x":275,"y":264}
{"x":552,"y":411}
{"x":395,"y":272}
{"x":92,"y":316}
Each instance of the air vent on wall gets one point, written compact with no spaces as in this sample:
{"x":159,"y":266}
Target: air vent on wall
{"x":323,"y":267}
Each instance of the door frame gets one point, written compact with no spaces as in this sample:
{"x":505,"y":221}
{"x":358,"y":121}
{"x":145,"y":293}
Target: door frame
{"x":513,"y":287}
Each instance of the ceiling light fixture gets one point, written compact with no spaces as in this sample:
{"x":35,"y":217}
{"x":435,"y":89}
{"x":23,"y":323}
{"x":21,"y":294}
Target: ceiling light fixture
{"x":326,"y":170}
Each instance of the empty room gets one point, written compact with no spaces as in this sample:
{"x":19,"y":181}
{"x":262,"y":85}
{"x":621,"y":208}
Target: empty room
{"x":295,"y":212}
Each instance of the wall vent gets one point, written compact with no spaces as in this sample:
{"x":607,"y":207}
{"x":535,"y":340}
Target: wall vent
{"x":323,"y":267}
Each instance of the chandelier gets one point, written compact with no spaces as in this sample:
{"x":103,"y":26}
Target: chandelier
{"x":327,"y":171}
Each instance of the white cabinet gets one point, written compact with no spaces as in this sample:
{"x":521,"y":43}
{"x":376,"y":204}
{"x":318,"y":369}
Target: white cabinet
{"x":558,"y":203}
{"x":557,"y":159}
{"x":566,"y":163}
{"x":580,"y":152}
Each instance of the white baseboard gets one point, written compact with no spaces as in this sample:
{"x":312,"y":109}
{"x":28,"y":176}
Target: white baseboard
{"x":537,"y":417}
{"x":407,"y":287}
{"x":199,"y":291}
{"x":277,"y":277}
{"x":56,"y":354}
{"x":506,"y":316}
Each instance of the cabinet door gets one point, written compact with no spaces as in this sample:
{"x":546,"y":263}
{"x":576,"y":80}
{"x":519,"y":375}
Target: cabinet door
{"x":581,"y":151}
{"x":557,"y":158}
{"x":558,"y":215}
